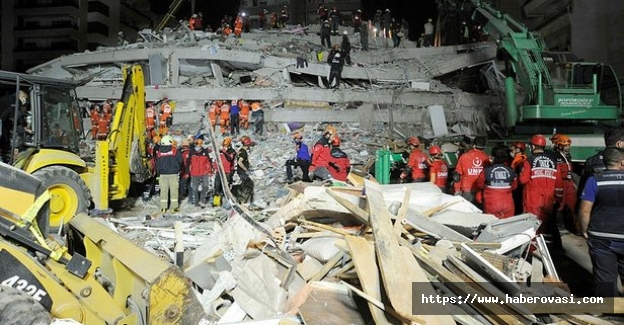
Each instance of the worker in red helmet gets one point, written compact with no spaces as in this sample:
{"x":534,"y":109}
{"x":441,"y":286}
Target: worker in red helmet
{"x":540,"y":178}
{"x":496,"y":184}
{"x":469,"y":166}
{"x":339,"y":163}
{"x":565,"y":195}
{"x":321,"y":155}
{"x":417,"y":163}
{"x":438,"y":170}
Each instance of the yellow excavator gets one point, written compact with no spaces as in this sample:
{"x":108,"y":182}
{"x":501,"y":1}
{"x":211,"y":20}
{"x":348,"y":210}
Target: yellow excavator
{"x":47,"y":140}
{"x":93,"y":275}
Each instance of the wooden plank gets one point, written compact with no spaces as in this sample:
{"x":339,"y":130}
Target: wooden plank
{"x":431,"y":211}
{"x":398,"y":222}
{"x":328,"y":266}
{"x":360,"y":214}
{"x":398,"y":267}
{"x":329,"y":304}
{"x":363,"y":256}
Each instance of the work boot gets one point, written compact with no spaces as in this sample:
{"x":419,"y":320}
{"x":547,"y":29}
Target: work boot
{"x":175,"y":210}
{"x":163,"y":210}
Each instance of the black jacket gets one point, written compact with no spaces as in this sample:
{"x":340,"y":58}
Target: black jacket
{"x":168,"y":160}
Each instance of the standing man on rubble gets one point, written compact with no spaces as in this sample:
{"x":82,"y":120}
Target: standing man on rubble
{"x":166,"y":117}
{"x":417,"y":165}
{"x":428,"y":38}
{"x":496,"y":184}
{"x":325,"y":34}
{"x":321,"y":155}
{"x":95,"y":117}
{"x":540,"y":178}
{"x":595,"y":164}
{"x":336,"y":63}
{"x":224,"y":118}
{"x":150,"y":120}
{"x":185,"y":152}
{"x":517,"y":151}
{"x":302,"y":159}
{"x":565,"y":194}
{"x":234,"y":118}
{"x":345,"y":47}
{"x":364,"y":37}
{"x":244,"y":113}
{"x":257,"y":115}
{"x":200,"y":170}
{"x":438,"y":169}
{"x":284,"y":16}
{"x":168,"y":166}
{"x":213,"y":112}
{"x":602,"y":201}
{"x":357,"y":21}
{"x":469,"y":166}
{"x":228,"y":160}
{"x":339,"y":163}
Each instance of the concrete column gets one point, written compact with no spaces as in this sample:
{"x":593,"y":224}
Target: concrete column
{"x":174,"y":69}
{"x":217,"y":73}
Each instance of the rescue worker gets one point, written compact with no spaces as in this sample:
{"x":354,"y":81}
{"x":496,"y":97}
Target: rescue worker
{"x":238,"y":25}
{"x":234,"y":118}
{"x":386,"y":18}
{"x":165,"y":117}
{"x":302,"y":159}
{"x":107,"y":107}
{"x":335,"y":70}
{"x":357,"y":21}
{"x":334,"y":18}
{"x":244,"y":113}
{"x":168,"y":166}
{"x":322,"y":13}
{"x":602,"y":201}
{"x":242,"y":163}
{"x":224,"y":118}
{"x":345,"y":48}
{"x":321,"y":155}
{"x":468,"y":168}
{"x":613,"y":138}
{"x":274,"y":23}
{"x":95,"y":117}
{"x":284,"y":16}
{"x":213,"y":112}
{"x":417,"y":166}
{"x":339,"y":163}
{"x":496,"y":184}
{"x":438,"y":169}
{"x":185,"y":151}
{"x":396,"y":32}
{"x":262,"y":18}
{"x":517,"y":151}
{"x":199,"y":21}
{"x":227,"y":30}
{"x":565,"y":194}
{"x":228,"y":160}
{"x":428,"y":37}
{"x":257,"y":116}
{"x":540,"y":178}
{"x":103,"y":125}
{"x":364,"y":37}
{"x":150,"y":120}
{"x":325,"y":34}
{"x":192,"y":21}
{"x":200,"y":170}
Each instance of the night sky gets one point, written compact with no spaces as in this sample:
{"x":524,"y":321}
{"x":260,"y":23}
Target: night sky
{"x":415,"y":12}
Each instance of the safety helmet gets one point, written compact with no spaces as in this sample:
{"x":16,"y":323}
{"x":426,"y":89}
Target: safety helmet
{"x":185,"y":143}
{"x":359,"y":10}
{"x":329,"y":129}
{"x":561,"y":140}
{"x":199,"y":143}
{"x":245,"y":140}
{"x":297,"y":135}
{"x":435,"y":150}
{"x":538,"y":140}
{"x":337,"y":55}
{"x":194,"y":15}
{"x":413,"y":141}
{"x":345,"y":33}
{"x":166,"y":140}
{"x":335,"y":141}
{"x":227,"y":142}
{"x":520,"y":145}
{"x":156,"y":139}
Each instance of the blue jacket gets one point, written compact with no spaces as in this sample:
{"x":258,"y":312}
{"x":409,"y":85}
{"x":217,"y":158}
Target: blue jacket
{"x":234,"y":109}
{"x":302,"y":152}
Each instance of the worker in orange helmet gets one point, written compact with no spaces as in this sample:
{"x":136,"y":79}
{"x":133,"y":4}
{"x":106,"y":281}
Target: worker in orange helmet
{"x":468,"y":168}
{"x":438,"y":170}
{"x":150,"y":120}
{"x":244,"y":113}
{"x":224,"y":118}
{"x":540,"y":179}
{"x":417,"y":164}
{"x":95,"y":117}
{"x":213,"y":112}
{"x":339,"y":163}
{"x":517,"y":151}
{"x":166,"y":117}
{"x":565,"y":194}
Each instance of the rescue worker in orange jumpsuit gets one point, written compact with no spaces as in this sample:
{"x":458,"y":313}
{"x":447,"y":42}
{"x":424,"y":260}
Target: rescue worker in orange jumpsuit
{"x":95,"y":117}
{"x":150,"y":120}
{"x":565,"y":195}
{"x":468,"y":168}
{"x":192,"y":21}
{"x":517,"y":151}
{"x":224,"y":118}
{"x":103,"y":125}
{"x":107,"y":107}
{"x":213,"y":112}
{"x":166,"y":117}
{"x":339,"y":163}
{"x":540,"y":178}
{"x":238,"y":25}
{"x":227,"y":30}
{"x":496,"y":184}
{"x":438,"y":170}
{"x":244,"y":113}
{"x":417,"y":163}
{"x":321,"y":155}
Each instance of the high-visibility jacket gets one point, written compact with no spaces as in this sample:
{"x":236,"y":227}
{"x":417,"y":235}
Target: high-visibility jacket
{"x":192,"y":23}
{"x":225,"y":112}
{"x":103,"y":125}
{"x":244,"y":110}
{"x":150,"y":117}
{"x":418,"y":163}
{"x":540,"y":178}
{"x":469,"y":166}
{"x":238,"y":26}
{"x":213,"y":111}
{"x":566,"y":190}
{"x":165,"y":111}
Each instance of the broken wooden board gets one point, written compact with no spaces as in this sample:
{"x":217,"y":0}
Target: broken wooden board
{"x":324,"y":303}
{"x":432,"y":227}
{"x":397,"y":265}
{"x":363,"y":256}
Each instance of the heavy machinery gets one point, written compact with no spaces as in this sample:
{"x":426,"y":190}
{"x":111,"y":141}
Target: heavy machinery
{"x":98,"y":277}
{"x":561,"y":95}
{"x":54,"y":150}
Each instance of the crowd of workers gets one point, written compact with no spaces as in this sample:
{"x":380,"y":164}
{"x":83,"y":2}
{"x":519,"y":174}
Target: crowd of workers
{"x":511,"y":182}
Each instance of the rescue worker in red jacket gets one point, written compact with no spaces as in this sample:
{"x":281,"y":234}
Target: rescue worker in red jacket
{"x":540,"y":178}
{"x":213,"y":112}
{"x":185,"y":150}
{"x":200,"y":170}
{"x":321,"y":155}
{"x":497,"y":183}
{"x":468,"y":168}
{"x":228,"y":160}
{"x":166,"y":117}
{"x":150,"y":120}
{"x":95,"y":117}
{"x":517,"y":151}
{"x":438,"y":169}
{"x":417,"y":163}
{"x":339,"y":163}
{"x":565,"y":195}
{"x":224,"y":118}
